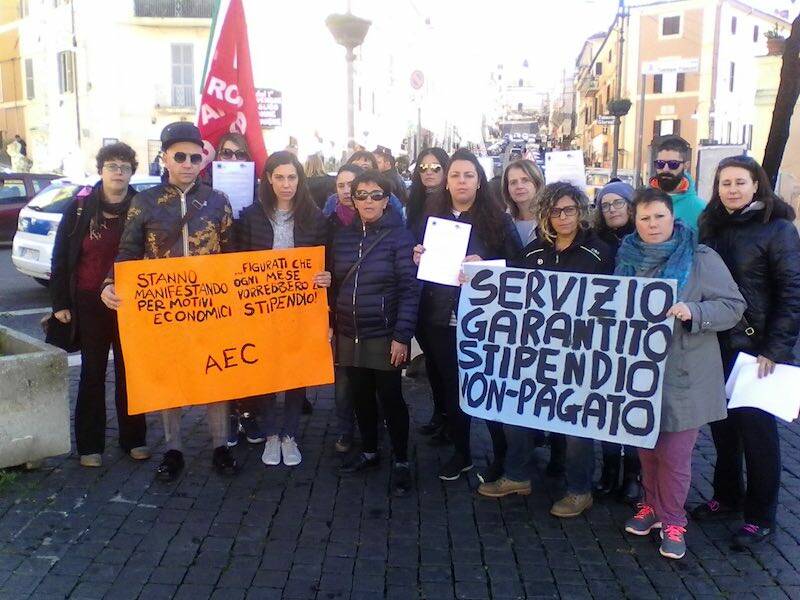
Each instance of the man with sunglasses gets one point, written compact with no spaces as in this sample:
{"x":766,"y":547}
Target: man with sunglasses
{"x":672,"y":176}
{"x":180,"y":217}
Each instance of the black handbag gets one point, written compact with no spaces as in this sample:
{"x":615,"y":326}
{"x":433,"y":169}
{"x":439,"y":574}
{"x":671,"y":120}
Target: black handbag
{"x":62,"y":335}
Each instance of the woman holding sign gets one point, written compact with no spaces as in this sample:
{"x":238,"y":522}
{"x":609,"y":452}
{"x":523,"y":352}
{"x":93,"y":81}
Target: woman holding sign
{"x":752,"y":230}
{"x":692,"y":391}
{"x":283,"y":216}
{"x":564,"y":242}
{"x":426,"y":182}
{"x":376,"y":297}
{"x":467,"y":199}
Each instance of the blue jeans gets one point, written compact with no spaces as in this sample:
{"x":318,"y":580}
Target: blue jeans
{"x":579,"y":468}
{"x":519,"y":456}
{"x":292,"y":409}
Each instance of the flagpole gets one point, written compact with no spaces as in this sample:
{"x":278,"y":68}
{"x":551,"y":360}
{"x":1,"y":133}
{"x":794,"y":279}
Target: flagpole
{"x":211,"y":35}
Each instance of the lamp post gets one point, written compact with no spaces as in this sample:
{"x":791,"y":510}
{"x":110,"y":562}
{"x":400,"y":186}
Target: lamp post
{"x":349,"y":31}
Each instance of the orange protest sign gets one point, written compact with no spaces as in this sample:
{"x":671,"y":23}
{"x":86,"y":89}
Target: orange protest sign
{"x":209,"y":328}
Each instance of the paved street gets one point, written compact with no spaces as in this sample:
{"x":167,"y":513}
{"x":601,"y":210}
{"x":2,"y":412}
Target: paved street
{"x":277,"y":532}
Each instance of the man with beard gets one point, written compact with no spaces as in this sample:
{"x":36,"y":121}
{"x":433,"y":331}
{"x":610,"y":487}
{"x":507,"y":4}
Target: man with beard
{"x":672,"y":176}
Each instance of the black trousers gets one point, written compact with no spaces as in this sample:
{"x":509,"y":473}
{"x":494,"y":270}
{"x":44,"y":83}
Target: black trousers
{"x":97,"y":327}
{"x":432,"y":370}
{"x":611,"y":457}
{"x":752,"y":434}
{"x":442,"y":350}
{"x":365,"y":385}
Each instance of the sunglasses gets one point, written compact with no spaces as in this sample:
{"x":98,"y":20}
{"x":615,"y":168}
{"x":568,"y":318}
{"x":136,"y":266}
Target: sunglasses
{"x":567,"y":211}
{"x":363,"y":195}
{"x":433,"y":168}
{"x":672,"y":164}
{"x":228,"y":154}
{"x":180,"y":157}
{"x":615,"y":204}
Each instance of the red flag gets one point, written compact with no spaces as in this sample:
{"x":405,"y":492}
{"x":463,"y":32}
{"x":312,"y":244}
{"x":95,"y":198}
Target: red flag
{"x":228,"y":100}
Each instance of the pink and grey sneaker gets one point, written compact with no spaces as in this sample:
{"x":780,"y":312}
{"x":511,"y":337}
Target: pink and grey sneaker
{"x":749,"y":535}
{"x":673,"y":544}
{"x":644,"y":521}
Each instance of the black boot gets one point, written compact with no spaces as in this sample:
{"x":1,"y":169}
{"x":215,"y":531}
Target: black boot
{"x":631,"y":491}
{"x":434,"y":425}
{"x":609,"y":480}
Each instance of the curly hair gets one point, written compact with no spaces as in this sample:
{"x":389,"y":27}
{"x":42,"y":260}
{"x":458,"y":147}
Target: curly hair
{"x":550,"y":196}
{"x":117,"y":151}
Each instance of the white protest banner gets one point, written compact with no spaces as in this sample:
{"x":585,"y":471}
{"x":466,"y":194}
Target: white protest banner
{"x":237,"y":180}
{"x":577,"y":354}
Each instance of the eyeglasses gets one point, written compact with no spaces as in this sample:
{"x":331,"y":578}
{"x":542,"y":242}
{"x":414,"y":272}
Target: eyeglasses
{"x":672,"y":164}
{"x":433,"y":167}
{"x":567,"y":211}
{"x":363,"y":196}
{"x":615,"y":204}
{"x":228,"y":154}
{"x":180,"y":157}
{"x":115,"y":168}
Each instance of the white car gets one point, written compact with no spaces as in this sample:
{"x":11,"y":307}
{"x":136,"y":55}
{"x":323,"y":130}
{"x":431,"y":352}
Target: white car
{"x":32,"y":248}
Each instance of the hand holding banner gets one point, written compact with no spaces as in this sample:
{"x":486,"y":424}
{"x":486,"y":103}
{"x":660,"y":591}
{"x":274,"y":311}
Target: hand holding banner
{"x":208,"y":328}
{"x":577,"y":354}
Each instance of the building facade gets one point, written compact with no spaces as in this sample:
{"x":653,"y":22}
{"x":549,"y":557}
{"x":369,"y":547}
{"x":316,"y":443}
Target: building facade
{"x":688,"y":68}
{"x":86,"y":88}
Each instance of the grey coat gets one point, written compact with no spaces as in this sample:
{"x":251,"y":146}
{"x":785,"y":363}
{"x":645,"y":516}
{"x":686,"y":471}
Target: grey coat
{"x":694,"y":386}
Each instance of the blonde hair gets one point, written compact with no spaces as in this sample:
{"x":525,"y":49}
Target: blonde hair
{"x":532,"y":170}
{"x":314,"y":166}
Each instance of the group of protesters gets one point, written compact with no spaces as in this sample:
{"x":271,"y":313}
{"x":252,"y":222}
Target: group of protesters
{"x":736,"y":260}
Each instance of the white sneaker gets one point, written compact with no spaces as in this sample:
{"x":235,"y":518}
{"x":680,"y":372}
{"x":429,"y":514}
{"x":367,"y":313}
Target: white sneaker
{"x":272,"y":451}
{"x":291,"y":453}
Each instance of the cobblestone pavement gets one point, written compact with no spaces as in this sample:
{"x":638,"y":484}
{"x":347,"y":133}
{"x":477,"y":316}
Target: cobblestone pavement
{"x":303,"y":532}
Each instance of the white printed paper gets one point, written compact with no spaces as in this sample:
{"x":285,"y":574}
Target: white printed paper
{"x":566,"y":166}
{"x":237,"y":180}
{"x":776,"y":394}
{"x":445,"y":245}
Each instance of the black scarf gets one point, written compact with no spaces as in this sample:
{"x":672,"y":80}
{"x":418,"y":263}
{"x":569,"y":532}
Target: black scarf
{"x":118,"y":209}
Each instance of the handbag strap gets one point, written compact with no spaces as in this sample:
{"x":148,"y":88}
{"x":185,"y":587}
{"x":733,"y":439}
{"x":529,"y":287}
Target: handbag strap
{"x":194,"y":207}
{"x":361,"y":258}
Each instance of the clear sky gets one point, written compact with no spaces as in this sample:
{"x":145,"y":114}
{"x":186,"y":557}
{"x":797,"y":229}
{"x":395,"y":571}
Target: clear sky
{"x":456,"y":43}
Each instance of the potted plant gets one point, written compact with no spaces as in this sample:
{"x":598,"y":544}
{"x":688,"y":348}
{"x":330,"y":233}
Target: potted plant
{"x":775,"y":41}
{"x":619,"y":107}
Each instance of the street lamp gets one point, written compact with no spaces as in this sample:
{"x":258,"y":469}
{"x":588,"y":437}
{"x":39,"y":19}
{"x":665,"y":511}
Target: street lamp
{"x":349,"y":31}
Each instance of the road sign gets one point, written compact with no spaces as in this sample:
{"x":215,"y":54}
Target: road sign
{"x":417,"y":79}
{"x":605,"y":119}
{"x":671,"y":65}
{"x":270,"y":107}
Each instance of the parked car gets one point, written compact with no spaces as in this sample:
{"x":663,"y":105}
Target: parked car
{"x":16,"y":190}
{"x":597,"y":178}
{"x":32,"y":249}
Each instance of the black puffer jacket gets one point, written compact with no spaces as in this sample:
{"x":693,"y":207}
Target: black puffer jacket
{"x":254,"y":230}
{"x":586,"y":254}
{"x":440,"y":301}
{"x":764,"y":259}
{"x":382,"y":296}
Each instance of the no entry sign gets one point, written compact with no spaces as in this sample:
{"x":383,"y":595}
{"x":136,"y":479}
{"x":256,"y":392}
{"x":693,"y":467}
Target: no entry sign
{"x":417,"y":79}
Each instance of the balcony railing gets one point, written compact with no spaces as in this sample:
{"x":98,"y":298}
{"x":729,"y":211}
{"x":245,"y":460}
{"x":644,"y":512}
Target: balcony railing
{"x":185,"y":9}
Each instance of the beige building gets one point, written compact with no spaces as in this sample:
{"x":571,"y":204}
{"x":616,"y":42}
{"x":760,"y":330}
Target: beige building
{"x":707,"y":100}
{"x":12,"y":85}
{"x":85,"y":87}
{"x":769,"y":70}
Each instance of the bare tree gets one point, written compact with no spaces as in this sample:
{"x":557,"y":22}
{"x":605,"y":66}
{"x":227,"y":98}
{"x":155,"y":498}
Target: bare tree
{"x":785,"y":101}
